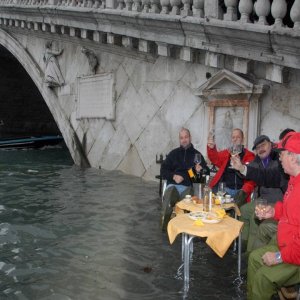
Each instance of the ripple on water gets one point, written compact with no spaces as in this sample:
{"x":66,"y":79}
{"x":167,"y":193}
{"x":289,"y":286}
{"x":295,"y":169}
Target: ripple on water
{"x":71,"y":233}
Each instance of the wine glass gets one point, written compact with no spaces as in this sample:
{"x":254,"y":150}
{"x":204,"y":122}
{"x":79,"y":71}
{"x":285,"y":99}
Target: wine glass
{"x":197,"y":159}
{"x":235,"y":149}
{"x":222,"y":189}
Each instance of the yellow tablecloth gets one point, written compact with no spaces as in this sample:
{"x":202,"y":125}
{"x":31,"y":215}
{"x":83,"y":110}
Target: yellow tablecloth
{"x":183,"y":205}
{"x":219,"y":236}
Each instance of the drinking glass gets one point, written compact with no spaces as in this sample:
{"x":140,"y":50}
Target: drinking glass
{"x":235,"y":149}
{"x":197,"y":159}
{"x":260,"y":207}
{"x":222,"y":189}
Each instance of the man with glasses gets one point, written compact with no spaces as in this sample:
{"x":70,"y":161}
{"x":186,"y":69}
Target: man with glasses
{"x":278,"y":263}
{"x":258,"y":233}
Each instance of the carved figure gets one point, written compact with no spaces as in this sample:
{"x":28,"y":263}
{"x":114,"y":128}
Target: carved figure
{"x":53,"y":75}
{"x":223,"y":133}
{"x":92,"y":59}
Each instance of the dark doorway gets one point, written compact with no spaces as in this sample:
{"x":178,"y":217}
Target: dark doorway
{"x":23,"y":110}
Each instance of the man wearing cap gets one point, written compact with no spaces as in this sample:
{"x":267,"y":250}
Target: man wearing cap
{"x":256,"y":233}
{"x":278,"y":263}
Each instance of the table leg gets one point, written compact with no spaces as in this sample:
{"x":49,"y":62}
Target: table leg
{"x":239,"y":254}
{"x":188,"y":246}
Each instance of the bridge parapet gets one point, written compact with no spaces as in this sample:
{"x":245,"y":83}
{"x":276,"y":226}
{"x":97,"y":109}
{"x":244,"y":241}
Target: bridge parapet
{"x":191,"y":31}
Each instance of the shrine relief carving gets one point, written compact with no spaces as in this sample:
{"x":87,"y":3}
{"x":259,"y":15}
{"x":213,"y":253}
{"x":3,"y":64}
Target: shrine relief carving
{"x":231,"y":102}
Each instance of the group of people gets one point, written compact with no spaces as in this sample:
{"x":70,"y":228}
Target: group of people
{"x":271,"y":237}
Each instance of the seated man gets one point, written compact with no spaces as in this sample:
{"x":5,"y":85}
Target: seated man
{"x":270,"y":178}
{"x":265,"y":158}
{"x":175,"y":169}
{"x":236,"y":186}
{"x":278,"y":263}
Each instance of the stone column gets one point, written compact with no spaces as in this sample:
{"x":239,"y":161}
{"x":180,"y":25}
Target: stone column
{"x":212,"y":9}
{"x":146,"y":5}
{"x":262,"y":9}
{"x":295,"y":14}
{"x":186,"y":11}
{"x":155,"y":6}
{"x":245,"y":8}
{"x":198,"y":8}
{"x":121,"y":4}
{"x":164,"y":6}
{"x":278,"y":11}
{"x":175,"y":8}
{"x":137,"y":5}
{"x":231,"y":14}
{"x":128,"y":5}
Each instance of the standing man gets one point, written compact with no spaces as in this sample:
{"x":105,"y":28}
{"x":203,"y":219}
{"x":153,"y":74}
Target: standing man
{"x":236,"y":186}
{"x":266,"y":158}
{"x":278,"y":263}
{"x":175,"y":169}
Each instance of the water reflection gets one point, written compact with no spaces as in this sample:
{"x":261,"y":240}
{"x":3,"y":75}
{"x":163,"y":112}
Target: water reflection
{"x":71,"y":233}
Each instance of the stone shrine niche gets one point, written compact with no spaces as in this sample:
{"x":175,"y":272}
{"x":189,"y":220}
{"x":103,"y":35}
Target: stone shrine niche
{"x":231,"y":102}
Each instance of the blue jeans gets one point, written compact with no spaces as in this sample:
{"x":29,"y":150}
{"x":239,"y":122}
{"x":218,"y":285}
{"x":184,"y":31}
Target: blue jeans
{"x":179,"y":187}
{"x":231,"y":192}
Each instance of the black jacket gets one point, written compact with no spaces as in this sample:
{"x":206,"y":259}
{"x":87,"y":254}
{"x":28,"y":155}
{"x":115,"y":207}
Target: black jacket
{"x":178,"y":161}
{"x":271,"y":177}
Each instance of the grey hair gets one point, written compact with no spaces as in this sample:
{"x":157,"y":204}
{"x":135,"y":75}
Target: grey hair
{"x":186,"y":130}
{"x":298,"y":159}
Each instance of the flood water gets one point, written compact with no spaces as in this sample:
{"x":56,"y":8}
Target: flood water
{"x":71,"y":233}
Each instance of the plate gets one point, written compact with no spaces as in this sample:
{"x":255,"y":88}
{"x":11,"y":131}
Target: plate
{"x":196,"y":215}
{"x":205,"y":217}
{"x":211,"y":221}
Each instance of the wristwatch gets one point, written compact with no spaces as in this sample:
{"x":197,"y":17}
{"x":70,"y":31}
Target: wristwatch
{"x":278,"y":257}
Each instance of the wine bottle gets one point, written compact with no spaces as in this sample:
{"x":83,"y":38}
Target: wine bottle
{"x":207,"y":201}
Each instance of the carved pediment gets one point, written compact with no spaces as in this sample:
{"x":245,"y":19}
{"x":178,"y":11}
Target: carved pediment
{"x":227,"y":83}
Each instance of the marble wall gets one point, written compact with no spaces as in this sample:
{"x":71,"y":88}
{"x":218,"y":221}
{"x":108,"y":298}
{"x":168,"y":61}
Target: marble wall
{"x":154,"y":98}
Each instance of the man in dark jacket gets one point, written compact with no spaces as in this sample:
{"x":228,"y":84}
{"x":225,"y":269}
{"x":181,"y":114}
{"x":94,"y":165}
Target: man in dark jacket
{"x":256,"y":232}
{"x":180,"y":170}
{"x":268,"y":177}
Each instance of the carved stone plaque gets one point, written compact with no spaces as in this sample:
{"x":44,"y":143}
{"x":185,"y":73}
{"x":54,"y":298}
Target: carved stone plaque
{"x":96,"y":96}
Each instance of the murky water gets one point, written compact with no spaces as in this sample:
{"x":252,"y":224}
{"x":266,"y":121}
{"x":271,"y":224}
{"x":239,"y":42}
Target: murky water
{"x":71,"y":233}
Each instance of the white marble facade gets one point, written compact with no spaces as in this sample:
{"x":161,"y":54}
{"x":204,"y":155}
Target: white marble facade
{"x":153,"y":100}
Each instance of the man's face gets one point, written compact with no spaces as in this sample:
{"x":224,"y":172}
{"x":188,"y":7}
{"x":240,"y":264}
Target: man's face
{"x":184,"y":139}
{"x":263,"y":149}
{"x":236,"y":137}
{"x":286,"y":160}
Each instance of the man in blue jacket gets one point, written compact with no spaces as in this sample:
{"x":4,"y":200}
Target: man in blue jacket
{"x":175,"y":169}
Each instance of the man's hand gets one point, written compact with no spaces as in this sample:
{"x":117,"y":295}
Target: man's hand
{"x":269,"y":259}
{"x":236,"y":163}
{"x":211,"y":142}
{"x":266,"y":213}
{"x":198,"y":168}
{"x":177,"y":178}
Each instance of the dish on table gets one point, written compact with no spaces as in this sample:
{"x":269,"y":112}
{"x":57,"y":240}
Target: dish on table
{"x":195,"y":215}
{"x":205,"y":217}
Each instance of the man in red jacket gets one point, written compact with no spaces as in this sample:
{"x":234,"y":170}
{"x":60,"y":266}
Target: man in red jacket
{"x":236,"y":186}
{"x":278,"y":263}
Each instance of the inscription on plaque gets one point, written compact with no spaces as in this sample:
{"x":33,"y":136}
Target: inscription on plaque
{"x":96,"y":96}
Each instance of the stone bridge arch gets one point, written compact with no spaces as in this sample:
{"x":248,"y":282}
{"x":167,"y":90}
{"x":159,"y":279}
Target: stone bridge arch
{"x":49,"y":96}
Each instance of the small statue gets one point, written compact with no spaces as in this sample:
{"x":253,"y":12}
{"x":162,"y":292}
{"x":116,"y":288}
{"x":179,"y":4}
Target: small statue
{"x":53,"y":75}
{"x":92,"y":59}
